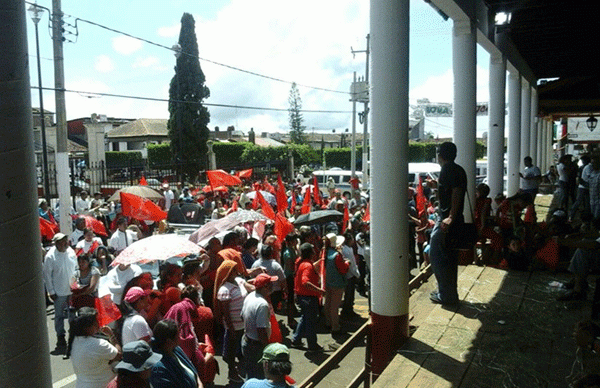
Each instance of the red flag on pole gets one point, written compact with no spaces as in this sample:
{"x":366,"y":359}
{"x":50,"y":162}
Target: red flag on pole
{"x":294,"y":200}
{"x":47,"y":229}
{"x":367,"y":215}
{"x":244,"y":173}
{"x":282,"y":227}
{"x":266,"y":208}
{"x":421,"y":200}
{"x":282,"y":203}
{"x":141,"y":208}
{"x":107,"y":311}
{"x":306,"y":203}
{"x":316,"y":192}
{"x":143,"y":181}
{"x":268,"y":187}
{"x":345,"y":219}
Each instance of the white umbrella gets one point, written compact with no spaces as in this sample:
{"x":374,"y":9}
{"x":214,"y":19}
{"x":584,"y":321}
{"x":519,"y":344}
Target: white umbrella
{"x":229,"y":221}
{"x":140,"y":190}
{"x":270,"y":198}
{"x":159,"y":247}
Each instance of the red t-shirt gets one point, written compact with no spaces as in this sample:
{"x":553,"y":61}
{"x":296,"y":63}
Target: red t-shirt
{"x":306,"y":273}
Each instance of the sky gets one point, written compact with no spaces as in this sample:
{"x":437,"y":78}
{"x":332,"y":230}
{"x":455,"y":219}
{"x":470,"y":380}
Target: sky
{"x":307,"y":42}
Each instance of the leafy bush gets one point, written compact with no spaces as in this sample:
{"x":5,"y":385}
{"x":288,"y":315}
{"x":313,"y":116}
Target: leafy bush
{"x":159,"y":154}
{"x":229,"y":154}
{"x":124,"y":159}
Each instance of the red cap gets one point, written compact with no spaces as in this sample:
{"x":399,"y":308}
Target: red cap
{"x":263,"y":279}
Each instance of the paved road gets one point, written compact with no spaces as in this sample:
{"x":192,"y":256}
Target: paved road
{"x":304,"y":363}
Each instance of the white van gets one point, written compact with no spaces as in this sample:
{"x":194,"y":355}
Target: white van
{"x":340,"y":177}
{"x":422,"y":171}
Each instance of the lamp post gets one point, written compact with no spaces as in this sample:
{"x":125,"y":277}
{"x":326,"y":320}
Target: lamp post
{"x":36,"y":15}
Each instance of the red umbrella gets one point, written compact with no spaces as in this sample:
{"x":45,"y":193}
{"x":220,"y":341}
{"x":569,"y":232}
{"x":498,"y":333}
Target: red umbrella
{"x":95,"y":225}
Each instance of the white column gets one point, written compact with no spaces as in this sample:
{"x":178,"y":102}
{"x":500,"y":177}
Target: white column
{"x":533,"y":138}
{"x":389,"y":175}
{"x":540,"y":143}
{"x":513,"y":150}
{"x":495,"y":150}
{"x":96,"y":151}
{"x":525,"y":120}
{"x":464,"y":61}
{"x":550,"y":142}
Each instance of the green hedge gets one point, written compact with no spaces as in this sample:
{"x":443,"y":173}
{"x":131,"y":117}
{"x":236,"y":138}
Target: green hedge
{"x":229,"y":154}
{"x":124,"y":159}
{"x":418,"y":152}
{"x":303,"y":154}
{"x":159,"y":155}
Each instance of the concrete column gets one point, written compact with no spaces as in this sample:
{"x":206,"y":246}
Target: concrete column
{"x":525,"y":121}
{"x":497,"y":110}
{"x":533,"y":139}
{"x":550,"y":142}
{"x":24,"y":353}
{"x":97,"y":152}
{"x":540,"y":142}
{"x":513,"y":150}
{"x":389,"y":175}
{"x":464,"y":61}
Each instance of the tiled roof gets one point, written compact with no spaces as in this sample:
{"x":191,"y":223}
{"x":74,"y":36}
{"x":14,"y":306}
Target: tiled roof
{"x":140,"y":128}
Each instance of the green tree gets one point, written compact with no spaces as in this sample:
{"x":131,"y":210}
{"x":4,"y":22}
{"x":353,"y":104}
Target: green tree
{"x":297,"y":135}
{"x":188,"y":118}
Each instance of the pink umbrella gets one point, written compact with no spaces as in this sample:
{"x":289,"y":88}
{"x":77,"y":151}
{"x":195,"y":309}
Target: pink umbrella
{"x":156,"y":248}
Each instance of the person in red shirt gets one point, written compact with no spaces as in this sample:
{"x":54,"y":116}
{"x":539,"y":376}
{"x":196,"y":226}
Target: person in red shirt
{"x":308,"y":291}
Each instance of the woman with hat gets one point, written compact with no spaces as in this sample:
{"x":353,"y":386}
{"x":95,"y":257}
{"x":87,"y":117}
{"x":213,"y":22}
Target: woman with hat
{"x":134,"y":369}
{"x":134,"y":325}
{"x":276,"y":365}
{"x":175,"y":368}
{"x":335,"y":280}
{"x":91,"y":349}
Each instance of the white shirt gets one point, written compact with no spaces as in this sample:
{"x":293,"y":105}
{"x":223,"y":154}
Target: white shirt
{"x":90,"y":357}
{"x":117,"y":279}
{"x":58,"y":269}
{"x":530,"y":172}
{"x":82,"y":205}
{"x":562,"y":172}
{"x":348,"y":254}
{"x":169,"y":197}
{"x":256,"y":314}
{"x":135,"y":328}
{"x":272,"y":268}
{"x":75,"y":236}
{"x":121,"y":240}
{"x":86,"y":245}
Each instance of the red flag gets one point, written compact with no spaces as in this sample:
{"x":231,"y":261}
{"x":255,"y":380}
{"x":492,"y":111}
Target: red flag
{"x":282,"y":227}
{"x":221,"y":178}
{"x":421,"y":200}
{"x":92,"y":223}
{"x":143,"y":181}
{"x":47,"y":229}
{"x":306,"y":203}
{"x":282,"y":203}
{"x":345,"y":219}
{"x":244,"y":173}
{"x":234,"y":206}
{"x":266,"y":208}
{"x":267,"y":186}
{"x":107,"y":311}
{"x":294,"y":200}
{"x":141,"y":208}
{"x":317,"y":192}
{"x":367,"y":215}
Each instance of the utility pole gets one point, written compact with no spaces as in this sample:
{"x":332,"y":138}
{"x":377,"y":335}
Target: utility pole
{"x":363,"y":118}
{"x":353,"y":153}
{"x":62,"y":154}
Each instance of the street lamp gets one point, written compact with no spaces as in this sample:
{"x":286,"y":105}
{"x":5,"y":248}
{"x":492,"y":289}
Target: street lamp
{"x":591,"y":123}
{"x":36,"y":15}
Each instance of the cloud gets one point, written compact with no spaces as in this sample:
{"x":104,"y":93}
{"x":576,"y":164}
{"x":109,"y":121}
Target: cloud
{"x":440,"y":87}
{"x":104,"y":64}
{"x":150,"y":62}
{"x":126,"y":45}
{"x":169,"y":31}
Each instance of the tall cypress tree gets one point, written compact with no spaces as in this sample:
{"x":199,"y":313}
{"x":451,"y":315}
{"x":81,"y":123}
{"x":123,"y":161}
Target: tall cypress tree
{"x":188,"y":118}
{"x":295,"y":116}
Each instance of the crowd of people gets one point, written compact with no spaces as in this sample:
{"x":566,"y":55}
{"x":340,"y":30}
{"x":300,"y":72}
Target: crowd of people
{"x":223,"y":301}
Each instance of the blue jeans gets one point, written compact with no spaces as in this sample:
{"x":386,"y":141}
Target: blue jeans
{"x":61,"y":312}
{"x":309,"y":308}
{"x":444,"y":262}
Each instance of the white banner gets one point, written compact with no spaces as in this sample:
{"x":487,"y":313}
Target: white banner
{"x":445,"y":110}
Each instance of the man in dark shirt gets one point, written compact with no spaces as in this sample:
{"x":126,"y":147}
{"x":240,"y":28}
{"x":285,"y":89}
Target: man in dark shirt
{"x":452,"y":186}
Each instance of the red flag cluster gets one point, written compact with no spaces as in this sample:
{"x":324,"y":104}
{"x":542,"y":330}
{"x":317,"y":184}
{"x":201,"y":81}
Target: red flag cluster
{"x":48,"y":229}
{"x":141,"y":208}
{"x":246,"y":174}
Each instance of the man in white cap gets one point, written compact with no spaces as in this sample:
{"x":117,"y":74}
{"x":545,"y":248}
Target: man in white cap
{"x":168,"y":194}
{"x":59,"y":265}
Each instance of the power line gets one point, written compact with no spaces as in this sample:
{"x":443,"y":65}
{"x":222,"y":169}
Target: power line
{"x":93,"y":94}
{"x":206,"y":59}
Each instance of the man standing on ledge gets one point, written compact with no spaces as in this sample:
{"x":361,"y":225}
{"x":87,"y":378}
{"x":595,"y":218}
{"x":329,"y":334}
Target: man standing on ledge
{"x":451,"y":186}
